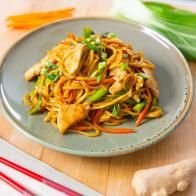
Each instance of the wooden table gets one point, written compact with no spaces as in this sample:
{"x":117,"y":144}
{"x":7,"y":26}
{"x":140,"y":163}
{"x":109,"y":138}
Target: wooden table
{"x":110,"y":176}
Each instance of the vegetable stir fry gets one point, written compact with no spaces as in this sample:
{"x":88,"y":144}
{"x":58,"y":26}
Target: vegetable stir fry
{"x":85,"y":83}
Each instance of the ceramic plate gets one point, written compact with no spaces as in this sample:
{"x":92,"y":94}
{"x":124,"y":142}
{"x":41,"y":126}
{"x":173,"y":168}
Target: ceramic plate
{"x":172,"y":73}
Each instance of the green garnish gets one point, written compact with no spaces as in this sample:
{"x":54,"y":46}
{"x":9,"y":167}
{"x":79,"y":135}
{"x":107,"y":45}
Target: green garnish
{"x":101,"y":65}
{"x":46,"y":68}
{"x":104,"y":56}
{"x":116,"y":110}
{"x":111,"y":35}
{"x":154,"y":103}
{"x":51,"y":65}
{"x":104,"y":34}
{"x":47,"y":81}
{"x":131,"y":101}
{"x":99,"y":78}
{"x":143,"y":75}
{"x":36,"y":84}
{"x":92,"y":47}
{"x":123,"y":66}
{"x":37,"y":107}
{"x":138,"y":107}
{"x":126,"y":56}
{"x":53,"y":76}
{"x":87,"y":32}
{"x":98,"y":94}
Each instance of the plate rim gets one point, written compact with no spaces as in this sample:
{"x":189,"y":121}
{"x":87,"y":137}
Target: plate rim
{"x":121,"y":150}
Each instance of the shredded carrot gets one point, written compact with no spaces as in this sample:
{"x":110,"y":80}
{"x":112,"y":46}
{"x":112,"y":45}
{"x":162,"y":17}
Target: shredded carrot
{"x":40,"y":14}
{"x":95,"y":118}
{"x":116,"y":130}
{"x":71,"y":36}
{"x":96,"y":115}
{"x":104,"y":81}
{"x":32,"y":20}
{"x":71,"y":95}
{"x":145,"y":110}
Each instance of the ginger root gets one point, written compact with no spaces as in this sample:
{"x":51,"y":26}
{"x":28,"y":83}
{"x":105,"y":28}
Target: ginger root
{"x":165,"y":180}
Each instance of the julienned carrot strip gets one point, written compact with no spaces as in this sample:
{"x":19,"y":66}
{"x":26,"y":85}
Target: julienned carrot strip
{"x":40,"y":14}
{"x":116,"y":130}
{"x":145,"y":110}
{"x":32,"y":20}
{"x":35,"y":22}
{"x":104,"y":81}
{"x":95,"y":118}
{"x":71,"y":36}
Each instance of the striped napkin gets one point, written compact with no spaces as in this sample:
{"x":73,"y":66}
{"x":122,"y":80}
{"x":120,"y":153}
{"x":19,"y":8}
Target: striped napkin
{"x":15,"y":155}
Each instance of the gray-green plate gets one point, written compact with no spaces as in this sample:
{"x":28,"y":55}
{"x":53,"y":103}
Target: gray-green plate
{"x":172,"y":73}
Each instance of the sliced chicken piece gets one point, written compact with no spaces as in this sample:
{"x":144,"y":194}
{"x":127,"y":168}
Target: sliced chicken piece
{"x":151,"y":83}
{"x":69,"y":115}
{"x":35,"y":69}
{"x":72,"y":61}
{"x":116,"y":87}
{"x":118,"y":76}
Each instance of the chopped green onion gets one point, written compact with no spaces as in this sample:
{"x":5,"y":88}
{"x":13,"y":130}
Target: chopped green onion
{"x":88,"y":39}
{"x":131,"y":101}
{"x":105,"y":34}
{"x":126,"y":56}
{"x":124,"y":66}
{"x":143,"y":75}
{"x":87,"y":32}
{"x":97,"y":41}
{"x":44,"y":70}
{"x":51,"y":65}
{"x":98,"y":94}
{"x":116,"y":110}
{"x":37,"y":107}
{"x":101,"y":65}
{"x":36,"y":84}
{"x":93,"y":36}
{"x":138,"y":107}
{"x":104,"y":56}
{"x":53,"y":76}
{"x":95,"y":73}
{"x":111,"y":35}
{"x":154,"y":103}
{"x":99,"y":77}
{"x":92,"y":47}
{"x":47,"y":81}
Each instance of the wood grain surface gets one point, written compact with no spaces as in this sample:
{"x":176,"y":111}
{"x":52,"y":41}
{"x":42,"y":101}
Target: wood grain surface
{"x":110,"y":176}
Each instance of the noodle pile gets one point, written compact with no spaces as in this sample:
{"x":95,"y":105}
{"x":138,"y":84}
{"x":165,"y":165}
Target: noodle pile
{"x":85,"y":83}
